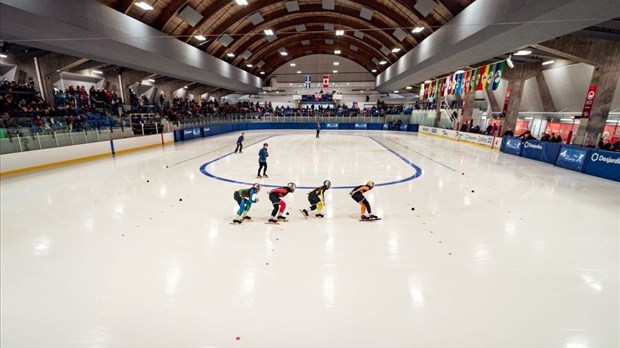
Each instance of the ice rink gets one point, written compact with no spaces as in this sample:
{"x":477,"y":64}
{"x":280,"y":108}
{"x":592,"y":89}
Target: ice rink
{"x":138,"y":251}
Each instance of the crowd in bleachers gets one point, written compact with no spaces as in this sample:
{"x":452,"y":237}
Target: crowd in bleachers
{"x":22,"y":107}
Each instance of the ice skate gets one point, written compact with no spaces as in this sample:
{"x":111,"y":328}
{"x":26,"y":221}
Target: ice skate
{"x":272,"y":221}
{"x":236,"y":222}
{"x":305,"y":212}
{"x":319,"y":215}
{"x":265,"y":176}
{"x":259,"y":177}
{"x":282,"y":218}
{"x":364,"y":217}
{"x":373,"y":217}
{"x":247,"y":218}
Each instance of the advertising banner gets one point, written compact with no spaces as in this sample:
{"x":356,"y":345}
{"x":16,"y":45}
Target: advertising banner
{"x":604,"y":164}
{"x":466,"y":84}
{"x":331,"y":125}
{"x":308,"y":81}
{"x":325,"y":81}
{"x":491,"y":74}
{"x":512,"y":146}
{"x":533,"y":149}
{"x":587,"y":106}
{"x":361,"y":125}
{"x":572,"y":158}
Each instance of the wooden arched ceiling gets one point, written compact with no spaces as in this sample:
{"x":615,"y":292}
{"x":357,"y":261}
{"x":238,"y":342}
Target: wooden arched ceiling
{"x":227,"y":17}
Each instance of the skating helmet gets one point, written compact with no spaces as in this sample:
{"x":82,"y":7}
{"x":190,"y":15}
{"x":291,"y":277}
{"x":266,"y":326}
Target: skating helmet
{"x":291,"y":186}
{"x":370,"y":184}
{"x":327,"y":183}
{"x":256,"y":186}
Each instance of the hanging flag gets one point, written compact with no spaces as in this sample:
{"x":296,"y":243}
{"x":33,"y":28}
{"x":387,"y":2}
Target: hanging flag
{"x":466,"y":82}
{"x":478,"y":75}
{"x":431,"y":89}
{"x":308,"y":81}
{"x":482,"y":71}
{"x":422,"y":92}
{"x":485,"y":76}
{"x":472,"y":81}
{"x":325,"y":81}
{"x":441,"y":85}
{"x":460,"y":78}
{"x":497,"y":77}
{"x":437,"y":88}
{"x":490,"y":75}
{"x":425,"y":91}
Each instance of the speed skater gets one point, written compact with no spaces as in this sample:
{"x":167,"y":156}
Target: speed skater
{"x":245,"y":198}
{"x":358,"y":195}
{"x":316,"y":198}
{"x":275,"y":196}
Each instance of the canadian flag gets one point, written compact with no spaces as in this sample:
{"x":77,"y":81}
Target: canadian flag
{"x":325,"y":81}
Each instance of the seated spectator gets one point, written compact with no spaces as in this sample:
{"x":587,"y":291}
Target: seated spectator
{"x":527,"y":135}
{"x":545,"y":137}
{"x":604,"y":144}
{"x":508,"y":133}
{"x":555,"y":138}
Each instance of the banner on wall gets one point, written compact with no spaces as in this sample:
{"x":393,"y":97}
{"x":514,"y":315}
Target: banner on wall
{"x":460,"y":77}
{"x":506,"y":101}
{"x":587,"y":106}
{"x":308,"y":81}
{"x":421,"y":92}
{"x":497,"y":77}
{"x":480,"y":77}
{"x":325,"y":81}
{"x":491,"y":75}
{"x":442,"y":86}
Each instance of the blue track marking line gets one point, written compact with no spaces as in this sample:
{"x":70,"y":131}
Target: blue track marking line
{"x":416,"y":174}
{"x":410,"y":149}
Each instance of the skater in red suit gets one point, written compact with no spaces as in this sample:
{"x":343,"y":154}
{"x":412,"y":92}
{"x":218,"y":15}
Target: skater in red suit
{"x":275,"y":196}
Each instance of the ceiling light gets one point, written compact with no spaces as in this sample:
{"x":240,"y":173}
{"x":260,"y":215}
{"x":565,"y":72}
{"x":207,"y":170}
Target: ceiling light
{"x":268,"y":32}
{"x":241,"y":2}
{"x":201,"y":37}
{"x":249,"y":65}
{"x":396,"y":92}
{"x":509,"y":62}
{"x":151,"y":80}
{"x":459,"y":71}
{"x":374,"y":70}
{"x":337,"y":52}
{"x":143,"y":5}
{"x":293,"y":64}
{"x":339,"y":32}
{"x":231,"y":55}
{"x":97,"y":72}
{"x":185,"y":87}
{"x":408,"y":87}
{"x":290,"y":84}
{"x":335,"y":71}
{"x":523,"y":53}
{"x":428,"y":81}
{"x":262,"y":73}
{"x":336,"y":63}
{"x":395,"y":50}
{"x":548,"y":62}
{"x":284,"y":53}
{"x":299,"y":71}
{"x":417,"y":30}
{"x":383,"y":62}
{"x":3,"y":56}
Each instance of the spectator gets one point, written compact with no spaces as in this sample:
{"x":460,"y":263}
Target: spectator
{"x":555,"y":138}
{"x":545,"y":137}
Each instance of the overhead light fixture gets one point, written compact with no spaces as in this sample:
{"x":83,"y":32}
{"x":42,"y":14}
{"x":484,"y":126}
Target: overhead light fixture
{"x":337,"y":52}
{"x":241,"y":2}
{"x":336,"y":63}
{"x":339,"y":32}
{"x":395,"y":50}
{"x":201,"y":37}
{"x":335,"y":71}
{"x":143,"y":5}
{"x":548,"y":62}
{"x":249,"y":65}
{"x":383,"y":62}
{"x":428,"y":81}
{"x":290,"y":84}
{"x":299,"y":71}
{"x":284,"y":53}
{"x":523,"y":53}
{"x":396,"y":92}
{"x":417,"y":30}
{"x":231,"y":55}
{"x":3,"y":55}
{"x":268,"y":32}
{"x":408,"y":87}
{"x":293,"y":64}
{"x":151,"y":80}
{"x":509,"y":62}
{"x":262,"y":73}
{"x":374,"y":70}
{"x":97,"y":72}
{"x":459,"y":71}
{"x":185,"y":87}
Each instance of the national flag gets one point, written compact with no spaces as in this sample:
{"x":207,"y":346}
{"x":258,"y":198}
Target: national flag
{"x":442,"y":86}
{"x":308,"y":81}
{"x":421,"y":92}
{"x":472,"y":81}
{"x":497,"y":77}
{"x":437,"y":88}
{"x":485,"y":76}
{"x":325,"y":81}
{"x":460,"y":84}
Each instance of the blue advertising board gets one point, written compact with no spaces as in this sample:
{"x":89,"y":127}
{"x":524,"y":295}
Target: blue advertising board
{"x":403,"y":127}
{"x":188,"y":134}
{"x":361,"y":126}
{"x":512,"y":146}
{"x":331,"y":125}
{"x":206,"y":131}
{"x":572,"y":158}
{"x":197,"y":132}
{"x":604,"y":164}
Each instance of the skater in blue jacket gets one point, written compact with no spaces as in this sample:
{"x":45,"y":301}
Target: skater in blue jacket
{"x":262,"y":161}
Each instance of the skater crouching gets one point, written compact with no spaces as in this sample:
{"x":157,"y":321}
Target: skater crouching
{"x":358,"y":195}
{"x":275,"y":196}
{"x":316,"y":198}
{"x":245,"y":198}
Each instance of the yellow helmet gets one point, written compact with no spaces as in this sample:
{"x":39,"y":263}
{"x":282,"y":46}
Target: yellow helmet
{"x":370,"y":184}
